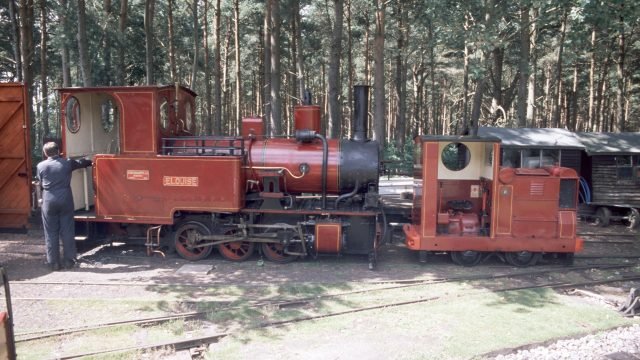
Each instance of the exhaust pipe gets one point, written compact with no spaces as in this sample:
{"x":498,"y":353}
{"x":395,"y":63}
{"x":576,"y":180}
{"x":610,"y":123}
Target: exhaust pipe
{"x":360,"y":106}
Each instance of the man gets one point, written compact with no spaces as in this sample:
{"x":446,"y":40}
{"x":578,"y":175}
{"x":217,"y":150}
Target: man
{"x":54,"y":174}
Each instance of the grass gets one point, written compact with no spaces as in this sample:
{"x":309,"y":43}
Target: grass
{"x":449,"y":328}
{"x":103,"y":339}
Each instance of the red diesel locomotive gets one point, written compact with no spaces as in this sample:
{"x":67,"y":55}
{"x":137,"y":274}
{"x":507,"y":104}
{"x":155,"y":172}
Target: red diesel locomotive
{"x":466,"y":204}
{"x":293,"y":197}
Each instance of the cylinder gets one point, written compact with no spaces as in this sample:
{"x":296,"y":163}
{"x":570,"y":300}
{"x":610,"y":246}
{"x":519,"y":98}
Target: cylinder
{"x":307,"y":117}
{"x":360,"y":108}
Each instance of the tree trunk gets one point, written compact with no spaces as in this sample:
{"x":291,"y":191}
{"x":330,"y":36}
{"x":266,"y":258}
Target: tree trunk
{"x":465,"y":79}
{"x":173,"y":71}
{"x":207,"y":71}
{"x":43,"y":67}
{"x":106,"y":45}
{"x":496,"y":101}
{"x":149,"y":13}
{"x":525,"y":44}
{"x":476,"y":107}
{"x":557,"y":108}
{"x":621,"y":81}
{"x":548,"y":101}
{"x":350,"y":71}
{"x":83,"y":45}
{"x":217,"y":83}
{"x":15,"y":34}
{"x":226,"y":98}
{"x":64,"y":51}
{"x":299,"y":52}
{"x":367,"y":49}
{"x":122,"y":28}
{"x":276,"y":108}
{"x":236,"y":11}
{"x":25,"y":11}
{"x":401,"y":76}
{"x":196,"y":47}
{"x":592,"y":81}
{"x":573,"y":102}
{"x":379,"y":85}
{"x":433,"y":129}
{"x":267,"y":66}
{"x":335,"y":118}
{"x":531,"y":93}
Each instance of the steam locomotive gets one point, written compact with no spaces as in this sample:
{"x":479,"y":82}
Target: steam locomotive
{"x":291,"y":197}
{"x":301,"y":196}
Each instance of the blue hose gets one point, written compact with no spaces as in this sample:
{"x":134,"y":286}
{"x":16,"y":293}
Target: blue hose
{"x":585,"y":192}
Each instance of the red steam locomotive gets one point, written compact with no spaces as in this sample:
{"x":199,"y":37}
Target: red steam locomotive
{"x":305,"y":195}
{"x":293,"y":197}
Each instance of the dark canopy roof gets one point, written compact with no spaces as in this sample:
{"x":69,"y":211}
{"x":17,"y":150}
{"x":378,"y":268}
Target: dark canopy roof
{"x":533,"y":137}
{"x":610,"y":143}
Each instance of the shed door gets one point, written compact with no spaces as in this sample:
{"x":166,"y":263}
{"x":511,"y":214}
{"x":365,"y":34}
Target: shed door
{"x":15,"y":166}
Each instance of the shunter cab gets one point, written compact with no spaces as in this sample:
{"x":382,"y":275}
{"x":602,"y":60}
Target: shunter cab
{"x":466,"y":204}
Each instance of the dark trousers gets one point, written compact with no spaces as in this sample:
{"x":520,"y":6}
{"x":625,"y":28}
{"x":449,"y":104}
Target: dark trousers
{"x":57,"y":219}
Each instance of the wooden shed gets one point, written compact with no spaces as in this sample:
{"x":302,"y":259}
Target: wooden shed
{"x":612,"y":168}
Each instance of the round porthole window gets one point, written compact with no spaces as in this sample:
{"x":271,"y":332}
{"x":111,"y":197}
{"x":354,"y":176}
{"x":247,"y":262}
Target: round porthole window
{"x":110,"y":115}
{"x":72,"y":114}
{"x":456,"y":156}
{"x":164,"y":113}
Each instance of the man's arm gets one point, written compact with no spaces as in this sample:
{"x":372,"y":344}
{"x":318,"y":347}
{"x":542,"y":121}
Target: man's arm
{"x":80,"y":163}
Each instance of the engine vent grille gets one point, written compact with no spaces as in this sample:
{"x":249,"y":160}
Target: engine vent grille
{"x":536,"y":189}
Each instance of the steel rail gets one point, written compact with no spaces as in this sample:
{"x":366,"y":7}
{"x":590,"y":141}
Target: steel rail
{"x":41,"y":334}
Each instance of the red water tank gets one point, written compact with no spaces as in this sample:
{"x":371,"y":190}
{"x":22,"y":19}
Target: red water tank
{"x":307,"y":117}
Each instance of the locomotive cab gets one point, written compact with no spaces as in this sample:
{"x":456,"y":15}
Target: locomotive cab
{"x":467,"y":205}
{"x":119,"y":120}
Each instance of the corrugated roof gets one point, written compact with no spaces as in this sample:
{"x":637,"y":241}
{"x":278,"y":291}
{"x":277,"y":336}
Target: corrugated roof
{"x":610,"y":143}
{"x":533,"y":137}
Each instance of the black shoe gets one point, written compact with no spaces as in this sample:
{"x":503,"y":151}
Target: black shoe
{"x":69,"y":264}
{"x":53,"y":266}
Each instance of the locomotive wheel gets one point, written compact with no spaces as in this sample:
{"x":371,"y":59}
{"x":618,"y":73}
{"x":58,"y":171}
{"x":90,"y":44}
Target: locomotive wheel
{"x":522,"y":258}
{"x":466,"y":258}
{"x":187,"y":237}
{"x":275,"y":252}
{"x":237,"y":250}
{"x":603,"y":216}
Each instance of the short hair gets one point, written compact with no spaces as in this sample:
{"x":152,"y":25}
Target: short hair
{"x":51,"y":149}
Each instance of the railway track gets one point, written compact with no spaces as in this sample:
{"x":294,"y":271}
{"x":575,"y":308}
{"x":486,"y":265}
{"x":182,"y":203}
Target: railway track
{"x":285,"y":303}
{"x":183,"y":344}
{"x":303,"y":301}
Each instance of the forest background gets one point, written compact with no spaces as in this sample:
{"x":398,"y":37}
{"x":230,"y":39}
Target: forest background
{"x":435,"y":67}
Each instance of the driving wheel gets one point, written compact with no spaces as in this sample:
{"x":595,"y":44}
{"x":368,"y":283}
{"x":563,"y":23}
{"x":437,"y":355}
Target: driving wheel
{"x":275,"y":252}
{"x":236,"y":250}
{"x":188,"y":240}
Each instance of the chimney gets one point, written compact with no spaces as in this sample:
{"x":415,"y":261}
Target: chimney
{"x":360,"y":106}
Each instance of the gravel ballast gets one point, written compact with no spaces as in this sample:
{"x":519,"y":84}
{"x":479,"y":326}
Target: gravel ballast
{"x":620,"y":343}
